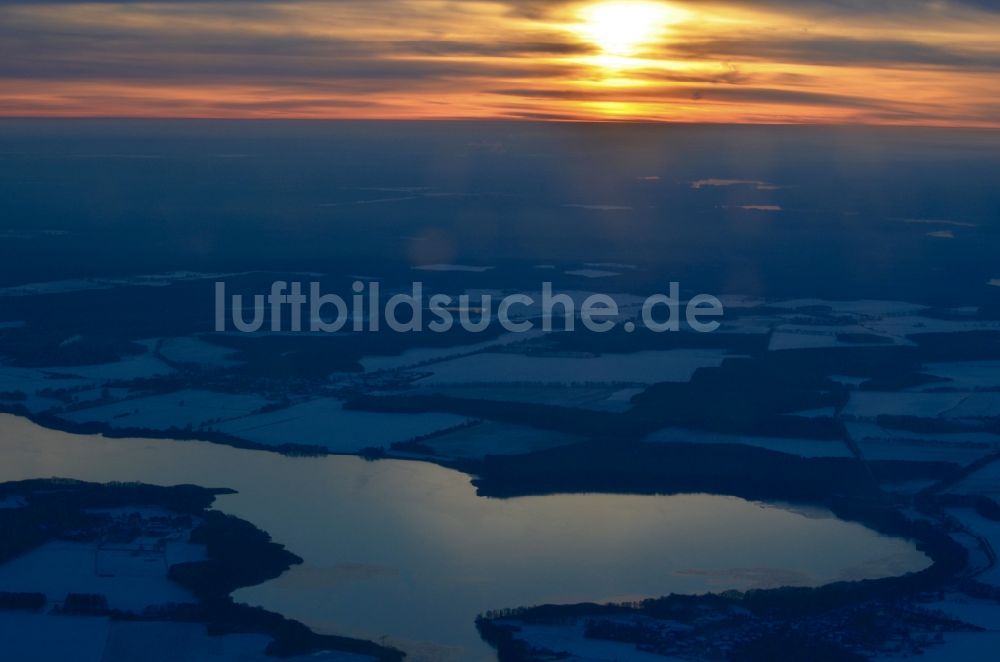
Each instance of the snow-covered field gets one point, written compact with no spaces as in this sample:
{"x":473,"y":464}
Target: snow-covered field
{"x":639,"y":368}
{"x":984,"y":613}
{"x":491,"y":438}
{"x":860,"y":430}
{"x":57,"y":568}
{"x":860,"y":307}
{"x":950,"y":405}
{"x":180,"y":409}
{"x":30,"y":381}
{"x":570,"y":639}
{"x":629,"y":305}
{"x":892,"y":331}
{"x":877,"y":443}
{"x":324,"y":422}
{"x":152,"y":642}
{"x":959,"y":647}
{"x":189,"y":642}
{"x":421,"y":355}
{"x":620,"y":400}
{"x":902,"y":449}
{"x":892,"y":321}
{"x":912,"y":324}
{"x":985,"y":528}
{"x":87,"y":284}
{"x":601,"y":397}
{"x":977,"y":405}
{"x":191,"y":349}
{"x":790,"y":336}
{"x":11,"y":502}
{"x":802,"y":447}
{"x":966,"y":375}
{"x":593,"y":273}
{"x":986,"y":481}
{"x":130,"y":367}
{"x":31,"y":637}
{"x":42,"y":637}
{"x":715,"y":183}
{"x":822,"y":412}
{"x":452,"y":267}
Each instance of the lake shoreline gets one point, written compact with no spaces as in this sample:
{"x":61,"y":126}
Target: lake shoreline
{"x":873,"y":514}
{"x":237,"y":555}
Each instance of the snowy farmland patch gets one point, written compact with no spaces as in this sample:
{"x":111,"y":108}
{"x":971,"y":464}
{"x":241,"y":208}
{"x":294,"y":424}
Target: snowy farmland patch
{"x":879,"y":322}
{"x":129,"y":582}
{"x":610,"y":265}
{"x":605,"y":397}
{"x":955,"y":646}
{"x":975,"y":611}
{"x":493,"y":438}
{"x":985,"y":528}
{"x":846,"y":380}
{"x":188,"y":349}
{"x":460,"y":268}
{"x":31,"y":381}
{"x":423,"y":355}
{"x":592,"y":273}
{"x":977,"y":405}
{"x":325,"y":423}
{"x":718,"y":182}
{"x":985,"y":481}
{"x":638,"y":368}
{"x":907,"y":325}
{"x":168,"y":642}
{"x":870,"y":404}
{"x":89,"y":284}
{"x":879,"y":443}
{"x":965,"y":375}
{"x":788,"y":336}
{"x":801,"y":447}
{"x":12,"y":502}
{"x":620,"y":400}
{"x":862,"y":429}
{"x":37,"y":637}
{"x":571,"y":639}
{"x":130,"y":367}
{"x":172,"y":410}
{"x":910,"y":449}
{"x":34,"y":637}
{"x":823,"y":412}
{"x":629,"y":305}
{"x":600,"y":207}
{"x":862,"y":307}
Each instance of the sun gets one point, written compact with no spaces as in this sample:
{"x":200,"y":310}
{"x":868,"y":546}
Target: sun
{"x":622,"y":28}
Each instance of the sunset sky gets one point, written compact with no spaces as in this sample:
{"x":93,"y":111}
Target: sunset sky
{"x":932,"y":62}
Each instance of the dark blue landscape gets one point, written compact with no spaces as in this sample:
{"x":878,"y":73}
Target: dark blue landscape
{"x":816,"y":479}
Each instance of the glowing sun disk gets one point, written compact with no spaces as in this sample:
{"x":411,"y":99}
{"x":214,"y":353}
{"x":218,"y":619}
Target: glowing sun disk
{"x":621,"y":28}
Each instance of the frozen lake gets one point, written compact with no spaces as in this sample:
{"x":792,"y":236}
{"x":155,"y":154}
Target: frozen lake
{"x":407,"y":551}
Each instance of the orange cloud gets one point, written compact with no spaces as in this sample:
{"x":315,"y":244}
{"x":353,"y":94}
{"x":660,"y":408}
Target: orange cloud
{"x":930,"y":63}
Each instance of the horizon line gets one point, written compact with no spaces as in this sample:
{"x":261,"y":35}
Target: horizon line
{"x":507,"y":120}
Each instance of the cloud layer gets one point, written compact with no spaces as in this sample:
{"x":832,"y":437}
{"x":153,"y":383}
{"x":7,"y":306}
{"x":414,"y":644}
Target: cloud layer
{"x":878,"y":61}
